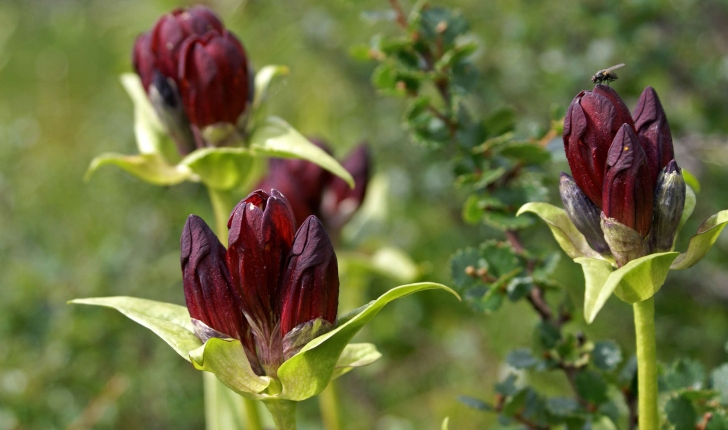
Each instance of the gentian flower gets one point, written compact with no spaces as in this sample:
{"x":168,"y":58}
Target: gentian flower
{"x":274,"y":289}
{"x":616,"y":163}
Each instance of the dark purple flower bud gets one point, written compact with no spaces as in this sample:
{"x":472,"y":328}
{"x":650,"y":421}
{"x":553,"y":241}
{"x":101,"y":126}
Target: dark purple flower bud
{"x":628,"y":191}
{"x":669,"y":205}
{"x":310,"y":287}
{"x":591,"y":123}
{"x":214,"y":78}
{"x":171,"y":31}
{"x":209,"y":292}
{"x":144,"y":60}
{"x":167,"y":104}
{"x":583,"y":213}
{"x":654,"y":132}
{"x":341,"y":201}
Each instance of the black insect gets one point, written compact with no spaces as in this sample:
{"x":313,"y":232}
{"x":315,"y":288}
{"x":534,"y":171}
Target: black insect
{"x":606,"y":75}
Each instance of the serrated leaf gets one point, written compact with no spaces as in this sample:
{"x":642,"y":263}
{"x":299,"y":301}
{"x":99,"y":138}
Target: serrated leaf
{"x":606,"y":355}
{"x":459,"y":263}
{"x":227,"y":360}
{"x":472,"y":210}
{"x":564,"y":231}
{"x":275,"y":138}
{"x":474,"y":403}
{"x":500,"y":121}
{"x":680,"y":413}
{"x":518,"y":288}
{"x":684,"y":373}
{"x":307,"y":373}
{"x":719,"y":380}
{"x":501,"y":258}
{"x":548,"y":334}
{"x":591,"y":387}
{"x":521,"y":358}
{"x":526,"y":152}
{"x":717,"y":421}
{"x":507,"y":387}
{"x":505,"y":221}
{"x":151,"y":168}
{"x":170,"y":322}
{"x":562,"y":406}
{"x":703,"y":240}
{"x":515,"y":403}
{"x":221,"y":168}
{"x":355,"y":355}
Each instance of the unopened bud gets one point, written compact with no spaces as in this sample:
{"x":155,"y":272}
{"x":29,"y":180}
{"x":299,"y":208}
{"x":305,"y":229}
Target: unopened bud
{"x":669,"y":205}
{"x":583,"y":213}
{"x":165,"y":98}
{"x":624,"y":242}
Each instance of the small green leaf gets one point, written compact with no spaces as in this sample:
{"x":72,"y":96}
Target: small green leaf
{"x":275,"y":138}
{"x":703,"y":240}
{"x":526,"y":152}
{"x":680,"y":413}
{"x":691,"y":180}
{"x":507,"y":387}
{"x":719,"y":378}
{"x":684,"y":374}
{"x":459,"y":263}
{"x":640,"y":279}
{"x":150,"y":134}
{"x":607,"y":355}
{"x":562,"y":406}
{"x":596,"y":273}
{"x":263,"y":79}
{"x":221,"y":168}
{"x":569,"y":238}
{"x":355,"y":355}
{"x":521,"y":358}
{"x":500,"y":121}
{"x":474,"y":403}
{"x":151,"y":168}
{"x":548,"y":334}
{"x":690,"y":201}
{"x":505,"y":221}
{"x":591,"y":387}
{"x":227,"y":360}
{"x":307,"y":373}
{"x":717,"y":422}
{"x":168,"y":321}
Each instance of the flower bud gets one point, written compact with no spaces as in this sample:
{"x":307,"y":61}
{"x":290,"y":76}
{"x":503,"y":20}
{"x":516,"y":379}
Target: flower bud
{"x":591,"y":123}
{"x":340,"y":201}
{"x":167,"y":104}
{"x":209,"y":292}
{"x":669,"y":205}
{"x":310,"y":288}
{"x":628,"y":193}
{"x":214,"y":79}
{"x":143,"y":59}
{"x":583,"y":213}
{"x":625,"y":242}
{"x":653,"y":132}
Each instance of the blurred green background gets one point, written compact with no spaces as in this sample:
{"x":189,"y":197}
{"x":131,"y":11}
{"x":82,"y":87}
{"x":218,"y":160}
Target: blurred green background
{"x":60,"y":238}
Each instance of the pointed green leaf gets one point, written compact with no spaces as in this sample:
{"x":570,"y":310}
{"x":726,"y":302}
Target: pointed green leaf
{"x":355,"y":355}
{"x":307,"y":373}
{"x":263,"y":79}
{"x":168,"y":321}
{"x":691,"y":180}
{"x":703,"y":240}
{"x":221,"y":168}
{"x":226,"y":359}
{"x":151,"y":168}
{"x":150,"y":134}
{"x":569,"y":238}
{"x":596,"y":272}
{"x":640,"y":279}
{"x":275,"y":138}
{"x":690,"y":201}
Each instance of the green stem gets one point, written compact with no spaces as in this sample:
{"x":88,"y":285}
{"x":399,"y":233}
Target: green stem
{"x":222,"y":204}
{"x":284,"y":413}
{"x":644,"y":325}
{"x":329,"y":406}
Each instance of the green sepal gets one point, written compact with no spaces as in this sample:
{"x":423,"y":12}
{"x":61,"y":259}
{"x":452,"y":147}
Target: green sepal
{"x":226,"y":359}
{"x":703,"y":240}
{"x":355,"y":355}
{"x":634,"y":282}
{"x":307,"y":373}
{"x":151,"y":168}
{"x":568,"y":237}
{"x":168,"y":321}
{"x":690,"y":201}
{"x":691,"y":180}
{"x":263,"y":79}
{"x":276,"y":138}
{"x":221,"y":168}
{"x":150,"y":134}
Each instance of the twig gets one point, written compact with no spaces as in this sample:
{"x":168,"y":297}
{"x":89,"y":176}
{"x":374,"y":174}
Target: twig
{"x":401,"y":17}
{"x":94,"y":411}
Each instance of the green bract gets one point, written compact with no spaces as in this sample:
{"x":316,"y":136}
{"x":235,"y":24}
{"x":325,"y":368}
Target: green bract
{"x":222,"y":168}
{"x":637,"y":280}
{"x":302,"y":376}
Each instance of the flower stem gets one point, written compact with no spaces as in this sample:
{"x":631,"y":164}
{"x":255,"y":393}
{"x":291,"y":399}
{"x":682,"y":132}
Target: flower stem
{"x":222,"y":203}
{"x":284,"y":413}
{"x":644,"y":325}
{"x":329,"y":405}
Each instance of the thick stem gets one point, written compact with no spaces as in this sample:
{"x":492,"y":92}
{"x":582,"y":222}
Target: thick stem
{"x":284,"y":413}
{"x":644,"y":325}
{"x":329,"y":405}
{"x":222,"y":203}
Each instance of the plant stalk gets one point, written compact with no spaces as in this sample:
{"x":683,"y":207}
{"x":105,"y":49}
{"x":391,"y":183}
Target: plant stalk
{"x":284,"y":413}
{"x":644,"y":325}
{"x":329,"y":406}
{"x":222,"y":203}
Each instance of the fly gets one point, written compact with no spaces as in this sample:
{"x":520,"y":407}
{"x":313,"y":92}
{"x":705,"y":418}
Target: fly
{"x":606,"y":75}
